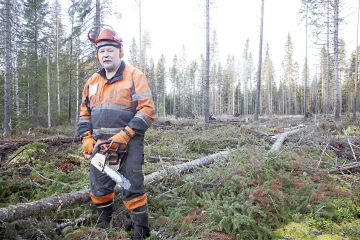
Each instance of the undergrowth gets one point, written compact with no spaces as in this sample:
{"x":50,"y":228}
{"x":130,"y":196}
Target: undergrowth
{"x":249,"y":195}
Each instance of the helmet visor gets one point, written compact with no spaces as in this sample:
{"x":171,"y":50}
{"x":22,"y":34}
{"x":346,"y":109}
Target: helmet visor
{"x":94,"y":32}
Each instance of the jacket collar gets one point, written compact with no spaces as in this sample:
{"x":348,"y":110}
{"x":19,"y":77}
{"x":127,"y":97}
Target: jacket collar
{"x":118,"y":75}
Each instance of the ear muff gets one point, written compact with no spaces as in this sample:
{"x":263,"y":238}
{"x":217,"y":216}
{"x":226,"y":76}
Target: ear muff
{"x":121,"y":53}
{"x":97,"y":57}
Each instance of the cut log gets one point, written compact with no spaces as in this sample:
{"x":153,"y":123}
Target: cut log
{"x":57,"y":202}
{"x":282,"y":137}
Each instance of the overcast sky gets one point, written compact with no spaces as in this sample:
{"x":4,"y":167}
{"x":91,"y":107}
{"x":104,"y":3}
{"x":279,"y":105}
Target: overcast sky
{"x":173,"y":23}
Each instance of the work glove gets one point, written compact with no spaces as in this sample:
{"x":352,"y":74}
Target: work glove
{"x":88,"y":144}
{"x":122,"y":137}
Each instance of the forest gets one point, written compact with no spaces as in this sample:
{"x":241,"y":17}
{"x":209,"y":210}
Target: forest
{"x":239,"y":149}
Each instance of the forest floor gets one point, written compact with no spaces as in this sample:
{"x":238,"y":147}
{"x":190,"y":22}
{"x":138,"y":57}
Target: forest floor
{"x":251,"y":194}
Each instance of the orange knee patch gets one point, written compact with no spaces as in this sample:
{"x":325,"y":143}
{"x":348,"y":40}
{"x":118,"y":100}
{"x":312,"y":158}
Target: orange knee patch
{"x":136,"y":202}
{"x":102,"y":199}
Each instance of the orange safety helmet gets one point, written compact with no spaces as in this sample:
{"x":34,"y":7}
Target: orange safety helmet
{"x":104,"y":32}
{"x":107,"y":34}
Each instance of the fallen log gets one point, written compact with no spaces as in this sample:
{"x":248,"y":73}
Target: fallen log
{"x":159,"y":159}
{"x":54,"y":203}
{"x":282,"y":137}
{"x":346,"y":167}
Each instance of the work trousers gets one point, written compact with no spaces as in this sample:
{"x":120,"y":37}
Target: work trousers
{"x":102,"y":187}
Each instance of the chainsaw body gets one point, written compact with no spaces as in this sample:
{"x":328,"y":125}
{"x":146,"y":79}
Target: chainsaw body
{"x":107,"y":158}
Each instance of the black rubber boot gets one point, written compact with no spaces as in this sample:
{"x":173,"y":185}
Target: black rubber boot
{"x":105,"y":215}
{"x":139,"y":216}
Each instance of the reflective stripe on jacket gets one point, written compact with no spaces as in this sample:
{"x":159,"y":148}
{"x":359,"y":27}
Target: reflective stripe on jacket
{"x":114,"y":104}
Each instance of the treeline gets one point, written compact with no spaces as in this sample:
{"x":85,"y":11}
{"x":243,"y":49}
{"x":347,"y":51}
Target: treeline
{"x":45,"y":63}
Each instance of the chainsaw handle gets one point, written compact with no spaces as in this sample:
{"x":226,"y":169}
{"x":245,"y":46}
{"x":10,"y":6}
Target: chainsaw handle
{"x":97,"y":148}
{"x":98,"y":145}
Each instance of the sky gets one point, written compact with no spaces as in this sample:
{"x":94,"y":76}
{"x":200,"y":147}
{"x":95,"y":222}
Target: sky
{"x":173,"y":24}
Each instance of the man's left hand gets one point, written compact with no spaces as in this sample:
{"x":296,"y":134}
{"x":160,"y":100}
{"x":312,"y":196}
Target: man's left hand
{"x":123,"y":137}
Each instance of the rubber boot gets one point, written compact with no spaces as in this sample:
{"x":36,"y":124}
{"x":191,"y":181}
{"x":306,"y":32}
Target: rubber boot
{"x":139,"y":216}
{"x":105,"y":216}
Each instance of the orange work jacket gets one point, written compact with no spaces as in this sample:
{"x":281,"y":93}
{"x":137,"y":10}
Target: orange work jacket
{"x":109,"y":105}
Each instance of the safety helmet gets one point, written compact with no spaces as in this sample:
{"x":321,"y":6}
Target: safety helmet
{"x":103,"y":32}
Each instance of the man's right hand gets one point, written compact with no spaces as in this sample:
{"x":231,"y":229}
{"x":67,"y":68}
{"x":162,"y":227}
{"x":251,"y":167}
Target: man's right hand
{"x":88,"y":144}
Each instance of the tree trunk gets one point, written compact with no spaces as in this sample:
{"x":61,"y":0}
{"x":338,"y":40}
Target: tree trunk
{"x":305,"y":112}
{"x":141,"y":60}
{"x":97,"y":13}
{"x":57,"y":61}
{"x":28,"y":92}
{"x":258,"y":80}
{"x":207,"y":66}
{"x":77,"y":89}
{"x":37,"y":69}
{"x":48,"y":88}
{"x":8,"y":66}
{"x":336,"y":62}
{"x":54,"y":203}
{"x":70,"y":75}
{"x":16,"y":81}
{"x":327,"y":81}
{"x":356,"y":65}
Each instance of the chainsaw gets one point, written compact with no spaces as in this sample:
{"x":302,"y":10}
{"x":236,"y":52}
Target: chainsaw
{"x":107,"y":158}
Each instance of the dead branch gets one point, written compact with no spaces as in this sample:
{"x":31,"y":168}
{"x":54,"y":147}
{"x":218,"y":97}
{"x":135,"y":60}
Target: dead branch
{"x":55,"y":203}
{"x":352,"y":150}
{"x":74,"y":222}
{"x":322,"y":153}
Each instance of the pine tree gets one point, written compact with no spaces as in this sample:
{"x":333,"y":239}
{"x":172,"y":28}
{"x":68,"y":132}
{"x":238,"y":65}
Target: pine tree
{"x":287,"y":78}
{"x":160,"y":75}
{"x":134,"y":56}
{"x":268,"y":80}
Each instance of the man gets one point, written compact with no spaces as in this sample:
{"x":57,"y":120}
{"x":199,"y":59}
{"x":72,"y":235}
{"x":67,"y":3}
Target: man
{"x":117,"y":106}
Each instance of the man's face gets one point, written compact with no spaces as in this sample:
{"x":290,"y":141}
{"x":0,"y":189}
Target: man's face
{"x":109,"y":58}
